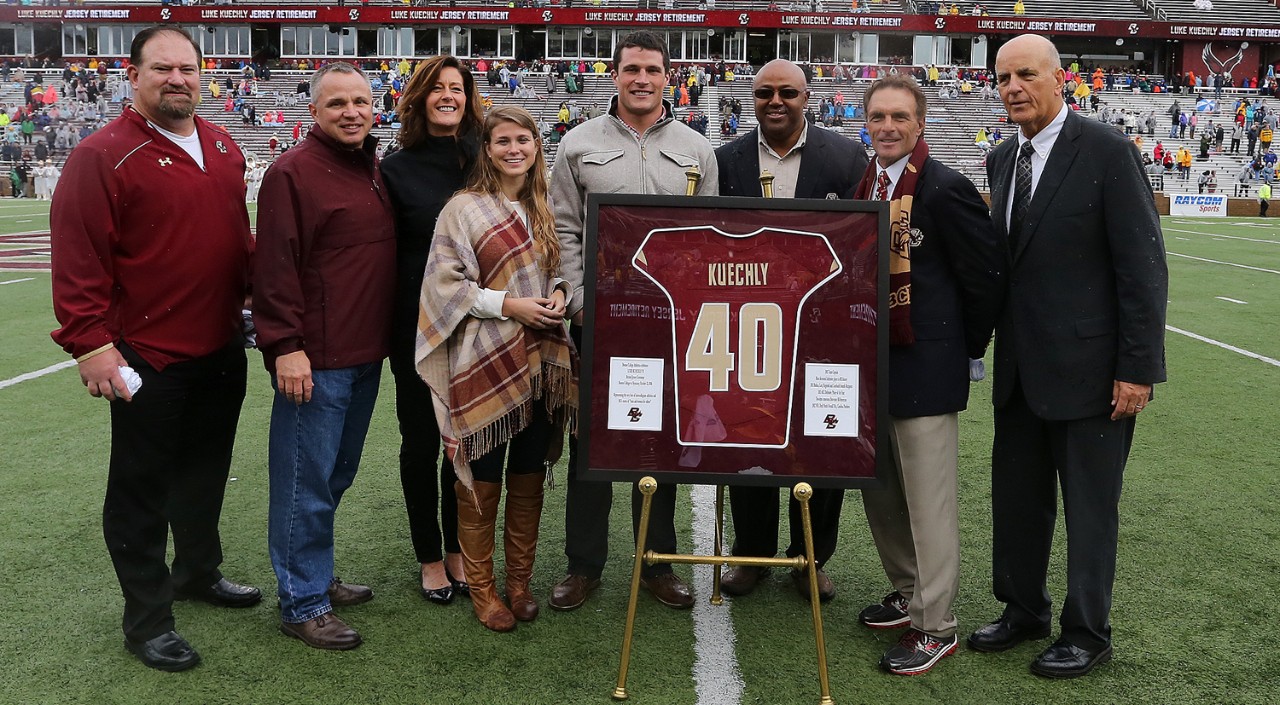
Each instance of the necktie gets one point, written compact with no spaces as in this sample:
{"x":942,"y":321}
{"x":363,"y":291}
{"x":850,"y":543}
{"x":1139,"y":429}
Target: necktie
{"x":882,"y":186}
{"x":1021,"y":193}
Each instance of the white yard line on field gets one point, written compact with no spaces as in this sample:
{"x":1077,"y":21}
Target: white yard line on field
{"x":1225,"y":346}
{"x":1230,"y":300}
{"x":715,"y":665}
{"x":1216,"y":235}
{"x":1229,"y":264}
{"x":38,"y":373}
{"x":18,"y":281}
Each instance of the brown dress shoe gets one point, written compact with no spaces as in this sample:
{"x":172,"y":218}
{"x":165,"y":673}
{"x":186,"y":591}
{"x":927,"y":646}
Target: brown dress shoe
{"x":347,"y":594}
{"x":570,"y":593}
{"x":670,"y":590}
{"x":324,"y":632}
{"x":826,"y":588}
{"x":742,"y":579}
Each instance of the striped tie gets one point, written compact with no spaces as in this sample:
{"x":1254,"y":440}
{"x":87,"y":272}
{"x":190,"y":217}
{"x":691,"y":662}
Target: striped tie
{"x":1021,"y":193}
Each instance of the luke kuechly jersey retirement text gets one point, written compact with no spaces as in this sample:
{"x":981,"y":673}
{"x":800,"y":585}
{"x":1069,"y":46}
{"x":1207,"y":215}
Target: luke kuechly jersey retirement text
{"x":735,"y":301}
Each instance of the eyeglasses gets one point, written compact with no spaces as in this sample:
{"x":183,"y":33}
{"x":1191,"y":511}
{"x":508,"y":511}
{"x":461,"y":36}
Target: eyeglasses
{"x":785,"y":93}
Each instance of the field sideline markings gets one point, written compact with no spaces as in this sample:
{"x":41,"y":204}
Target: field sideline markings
{"x":1225,"y":346}
{"x":716,"y":677}
{"x":1231,"y":300}
{"x":1229,"y":237}
{"x":38,"y":373}
{"x":18,"y":281}
{"x":1229,"y":264}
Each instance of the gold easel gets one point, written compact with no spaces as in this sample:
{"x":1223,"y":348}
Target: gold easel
{"x":803,"y":492}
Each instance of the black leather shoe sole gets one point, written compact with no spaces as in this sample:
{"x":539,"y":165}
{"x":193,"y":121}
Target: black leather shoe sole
{"x":1047,"y":670}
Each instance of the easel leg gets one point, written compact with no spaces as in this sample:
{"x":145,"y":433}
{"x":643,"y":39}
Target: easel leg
{"x":716,"y":599}
{"x":648,"y":486}
{"x":803,"y":493}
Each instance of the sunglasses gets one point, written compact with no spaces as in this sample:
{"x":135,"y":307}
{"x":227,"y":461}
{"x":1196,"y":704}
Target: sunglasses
{"x":767,"y":93}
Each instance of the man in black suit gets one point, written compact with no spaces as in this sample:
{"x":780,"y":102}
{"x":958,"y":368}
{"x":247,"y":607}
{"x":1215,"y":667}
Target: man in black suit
{"x":806,"y":162}
{"x":947,"y":276}
{"x":1078,"y":347}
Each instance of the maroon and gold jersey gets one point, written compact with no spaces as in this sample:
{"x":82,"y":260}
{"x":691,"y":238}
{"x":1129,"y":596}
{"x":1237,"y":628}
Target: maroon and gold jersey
{"x":735,"y":301}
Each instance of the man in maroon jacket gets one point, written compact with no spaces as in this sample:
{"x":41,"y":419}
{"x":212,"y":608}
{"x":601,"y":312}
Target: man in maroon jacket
{"x":323,"y":284}
{"x":141,"y":286}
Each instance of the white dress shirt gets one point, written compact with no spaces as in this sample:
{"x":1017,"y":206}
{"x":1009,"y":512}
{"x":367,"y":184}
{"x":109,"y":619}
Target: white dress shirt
{"x":1042,"y":143}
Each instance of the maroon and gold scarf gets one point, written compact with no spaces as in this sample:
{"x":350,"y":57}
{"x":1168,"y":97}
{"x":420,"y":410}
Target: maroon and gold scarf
{"x":903,"y":196}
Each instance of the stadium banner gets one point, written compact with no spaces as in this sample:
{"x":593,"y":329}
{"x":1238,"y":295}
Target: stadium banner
{"x":642,"y":18}
{"x":734,"y":341}
{"x":1212,"y":206}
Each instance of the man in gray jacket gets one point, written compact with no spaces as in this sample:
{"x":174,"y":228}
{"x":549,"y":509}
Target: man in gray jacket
{"x":636,"y":147}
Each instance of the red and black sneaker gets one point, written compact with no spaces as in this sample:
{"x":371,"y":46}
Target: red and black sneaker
{"x":890,"y":613}
{"x":917,"y":652}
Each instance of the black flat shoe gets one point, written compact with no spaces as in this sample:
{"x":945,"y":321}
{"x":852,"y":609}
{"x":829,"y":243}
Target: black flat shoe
{"x":440,"y":596}
{"x":460,"y":587}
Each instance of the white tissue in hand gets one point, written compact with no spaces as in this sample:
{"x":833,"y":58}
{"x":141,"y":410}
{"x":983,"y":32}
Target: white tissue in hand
{"x":131,"y":379}
{"x":977,"y":370}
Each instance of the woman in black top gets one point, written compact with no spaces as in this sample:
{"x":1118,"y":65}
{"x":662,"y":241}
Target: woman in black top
{"x":441,"y":117}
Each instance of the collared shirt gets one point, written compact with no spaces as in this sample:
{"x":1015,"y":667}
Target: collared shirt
{"x":895,"y":172}
{"x":613,"y":110}
{"x":785,"y":170}
{"x":1042,"y":144}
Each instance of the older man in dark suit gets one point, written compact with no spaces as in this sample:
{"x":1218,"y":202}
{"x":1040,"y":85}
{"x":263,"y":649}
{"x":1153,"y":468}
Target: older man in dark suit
{"x":1078,"y":347}
{"x":806,"y":162}
{"x":947,"y":278}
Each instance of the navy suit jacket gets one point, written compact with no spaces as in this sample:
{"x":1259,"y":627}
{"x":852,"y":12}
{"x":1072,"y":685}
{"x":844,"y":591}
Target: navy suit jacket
{"x":957,"y":288}
{"x":1088,"y":282}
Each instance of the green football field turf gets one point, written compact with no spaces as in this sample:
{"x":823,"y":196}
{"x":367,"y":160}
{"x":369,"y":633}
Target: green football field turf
{"x":1196,"y":598}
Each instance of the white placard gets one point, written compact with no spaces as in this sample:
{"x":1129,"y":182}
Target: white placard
{"x":1198,"y":205}
{"x":830,"y":399}
{"x":635,"y":393}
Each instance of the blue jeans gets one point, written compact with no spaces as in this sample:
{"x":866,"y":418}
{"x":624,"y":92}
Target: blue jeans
{"x":313,"y":453}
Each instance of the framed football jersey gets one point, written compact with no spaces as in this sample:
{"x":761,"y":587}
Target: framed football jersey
{"x":734,"y":341}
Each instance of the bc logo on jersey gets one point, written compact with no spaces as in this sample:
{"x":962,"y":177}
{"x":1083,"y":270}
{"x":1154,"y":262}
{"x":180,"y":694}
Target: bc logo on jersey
{"x":735,"y":302}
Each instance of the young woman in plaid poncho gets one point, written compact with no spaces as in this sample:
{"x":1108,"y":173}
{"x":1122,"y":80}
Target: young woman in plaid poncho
{"x":493,"y":348}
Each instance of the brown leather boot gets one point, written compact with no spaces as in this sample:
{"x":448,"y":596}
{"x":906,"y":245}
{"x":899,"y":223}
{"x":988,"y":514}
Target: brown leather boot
{"x":477,"y":516}
{"x":524,"y":511}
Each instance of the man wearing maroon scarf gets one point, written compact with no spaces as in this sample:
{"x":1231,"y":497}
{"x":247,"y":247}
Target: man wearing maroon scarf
{"x":946,"y":279}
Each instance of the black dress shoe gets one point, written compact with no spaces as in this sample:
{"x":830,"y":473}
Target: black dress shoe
{"x":1066,"y":660}
{"x":1002,"y":635}
{"x":167,"y":652}
{"x":223,"y":593}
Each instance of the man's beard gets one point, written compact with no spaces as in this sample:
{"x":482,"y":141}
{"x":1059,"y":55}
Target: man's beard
{"x":178,"y":109}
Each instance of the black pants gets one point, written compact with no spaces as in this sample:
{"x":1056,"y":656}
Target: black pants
{"x":432,"y":507}
{"x":1262,"y":208}
{"x":524,"y":454}
{"x":586,"y":516}
{"x":170,"y":455}
{"x":1235,"y":145}
{"x":1031,"y":457}
{"x":755,"y":522}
